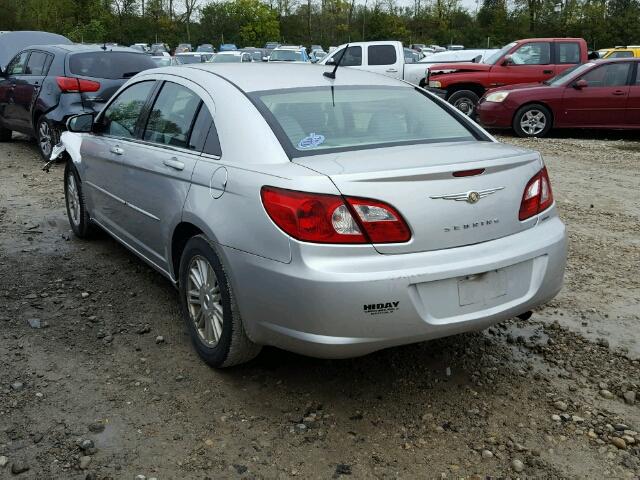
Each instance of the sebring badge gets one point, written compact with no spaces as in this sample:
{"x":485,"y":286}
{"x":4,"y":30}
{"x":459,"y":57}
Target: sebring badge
{"x":469,"y":197}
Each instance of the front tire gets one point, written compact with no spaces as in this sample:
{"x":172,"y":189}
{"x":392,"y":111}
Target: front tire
{"x":76,"y":206}
{"x":532,"y":121}
{"x":465,"y":101}
{"x":209,"y":307}
{"x":47,"y":137}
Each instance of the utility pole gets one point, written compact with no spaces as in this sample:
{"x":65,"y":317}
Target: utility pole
{"x":364,"y":17}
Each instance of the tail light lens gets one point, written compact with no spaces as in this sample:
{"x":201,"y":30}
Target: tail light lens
{"x":322,"y":218}
{"x":76,"y":85}
{"x":537,"y":195}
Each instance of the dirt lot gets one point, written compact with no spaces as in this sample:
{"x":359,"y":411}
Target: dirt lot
{"x":93,"y":393}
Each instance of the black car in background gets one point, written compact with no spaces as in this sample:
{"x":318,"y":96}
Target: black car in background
{"x":44,"y":85}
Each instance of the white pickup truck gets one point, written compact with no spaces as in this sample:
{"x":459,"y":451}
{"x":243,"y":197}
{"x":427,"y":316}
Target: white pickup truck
{"x":386,"y":58}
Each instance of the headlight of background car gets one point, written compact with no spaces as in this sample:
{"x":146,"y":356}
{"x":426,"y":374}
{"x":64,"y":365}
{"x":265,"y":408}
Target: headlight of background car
{"x":497,"y":97}
{"x":434,"y":84}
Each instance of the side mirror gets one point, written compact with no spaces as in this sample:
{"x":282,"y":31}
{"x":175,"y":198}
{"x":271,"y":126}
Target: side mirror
{"x":82,"y":123}
{"x":331,"y":61}
{"x":580,"y":84}
{"x":508,"y":60}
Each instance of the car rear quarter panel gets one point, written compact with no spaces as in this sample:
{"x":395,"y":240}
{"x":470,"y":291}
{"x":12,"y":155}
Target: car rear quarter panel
{"x":252,"y":157}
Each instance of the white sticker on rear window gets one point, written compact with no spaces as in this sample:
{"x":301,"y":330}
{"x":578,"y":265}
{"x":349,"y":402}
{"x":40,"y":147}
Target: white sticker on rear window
{"x":310,"y":141}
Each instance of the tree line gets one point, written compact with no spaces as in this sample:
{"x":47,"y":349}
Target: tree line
{"x":492,"y":23}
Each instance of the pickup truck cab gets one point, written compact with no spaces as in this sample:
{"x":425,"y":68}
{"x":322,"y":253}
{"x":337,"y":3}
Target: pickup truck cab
{"x":524,"y":61}
{"x":386,"y":58}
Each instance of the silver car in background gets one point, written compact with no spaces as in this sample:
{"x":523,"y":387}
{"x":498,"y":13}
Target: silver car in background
{"x":364,"y":213}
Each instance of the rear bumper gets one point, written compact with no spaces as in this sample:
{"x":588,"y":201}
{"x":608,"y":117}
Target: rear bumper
{"x":494,"y":115}
{"x":338,"y":307}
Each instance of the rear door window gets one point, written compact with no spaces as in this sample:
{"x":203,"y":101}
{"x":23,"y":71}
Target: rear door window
{"x":121,"y":116}
{"x":382,"y":55}
{"x":567,"y":52}
{"x":172,"y":116}
{"x":111,"y":65}
{"x":204,"y":137}
{"x":37,"y":64}
{"x":18,"y":65}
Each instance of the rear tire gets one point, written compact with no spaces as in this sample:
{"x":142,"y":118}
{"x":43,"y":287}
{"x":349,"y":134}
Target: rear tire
{"x":465,"y":101}
{"x":47,"y":137}
{"x":5,"y":134}
{"x":532,"y":120}
{"x":209,"y":307}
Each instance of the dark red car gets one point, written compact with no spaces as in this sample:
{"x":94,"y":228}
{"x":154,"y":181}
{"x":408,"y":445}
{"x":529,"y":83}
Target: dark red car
{"x":600,"y":94}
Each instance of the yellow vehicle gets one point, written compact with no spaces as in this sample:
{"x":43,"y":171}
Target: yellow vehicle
{"x":630,"y":51}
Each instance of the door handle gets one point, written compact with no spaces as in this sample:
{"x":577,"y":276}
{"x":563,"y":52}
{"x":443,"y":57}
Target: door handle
{"x":392,"y":70}
{"x":619,"y":92}
{"x":116,"y":150}
{"x":174,"y":163}
{"x":547,"y":71}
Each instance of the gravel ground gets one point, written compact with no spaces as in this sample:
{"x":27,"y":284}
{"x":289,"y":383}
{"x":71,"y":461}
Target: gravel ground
{"x":99,"y":380}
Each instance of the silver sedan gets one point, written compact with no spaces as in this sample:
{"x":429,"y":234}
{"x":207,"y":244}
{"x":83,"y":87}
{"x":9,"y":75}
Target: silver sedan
{"x":328,"y":216}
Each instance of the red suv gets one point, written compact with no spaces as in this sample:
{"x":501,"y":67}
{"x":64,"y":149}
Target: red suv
{"x":523,"y":61}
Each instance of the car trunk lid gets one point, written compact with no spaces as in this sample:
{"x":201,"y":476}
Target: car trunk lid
{"x":442,"y":210}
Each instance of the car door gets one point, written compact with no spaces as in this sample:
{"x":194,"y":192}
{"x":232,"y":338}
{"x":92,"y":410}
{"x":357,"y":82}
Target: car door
{"x":27,"y":88}
{"x":633,"y":102}
{"x":9,"y":111}
{"x":385,"y":59}
{"x":529,"y":62}
{"x":157,"y":168}
{"x":102,"y":153}
{"x":603,"y":101}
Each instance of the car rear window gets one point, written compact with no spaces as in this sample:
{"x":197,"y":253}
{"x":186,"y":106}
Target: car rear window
{"x":310,"y":121}
{"x":112,"y":65}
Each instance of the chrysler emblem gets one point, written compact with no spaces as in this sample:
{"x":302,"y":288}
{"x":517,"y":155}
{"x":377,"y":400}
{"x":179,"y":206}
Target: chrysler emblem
{"x":469,"y":197}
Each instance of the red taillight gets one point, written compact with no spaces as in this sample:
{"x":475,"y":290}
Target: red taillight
{"x":537,"y":195}
{"x":75,"y":85}
{"x":322,"y":218}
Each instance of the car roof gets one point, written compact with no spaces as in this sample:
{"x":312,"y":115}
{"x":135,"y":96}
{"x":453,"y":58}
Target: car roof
{"x":259,"y":76}
{"x":551,"y":39}
{"x":77,"y":47}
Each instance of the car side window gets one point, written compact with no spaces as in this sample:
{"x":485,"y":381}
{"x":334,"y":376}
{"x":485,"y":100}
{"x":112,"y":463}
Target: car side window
{"x":352,"y":57}
{"x":567,"y":53}
{"x":37,"y":63}
{"x":638,"y":75}
{"x":121,"y":116}
{"x":609,"y":75}
{"x":538,"y":53}
{"x":18,"y":65}
{"x":204,"y":137}
{"x":382,"y":55}
{"x":172,"y":116}
{"x":622,"y":54}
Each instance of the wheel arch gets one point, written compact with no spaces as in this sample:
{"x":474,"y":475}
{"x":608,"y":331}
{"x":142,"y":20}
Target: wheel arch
{"x":181,"y":235}
{"x":474,"y":87}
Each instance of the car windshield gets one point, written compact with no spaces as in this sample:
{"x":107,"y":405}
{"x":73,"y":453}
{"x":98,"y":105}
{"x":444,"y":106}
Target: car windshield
{"x":569,"y":72}
{"x":187,"y":59}
{"x":286,"y":56}
{"x":226,"y":59}
{"x":112,"y":65}
{"x":318,"y":120}
{"x":205,"y":48}
{"x":492,"y":59}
